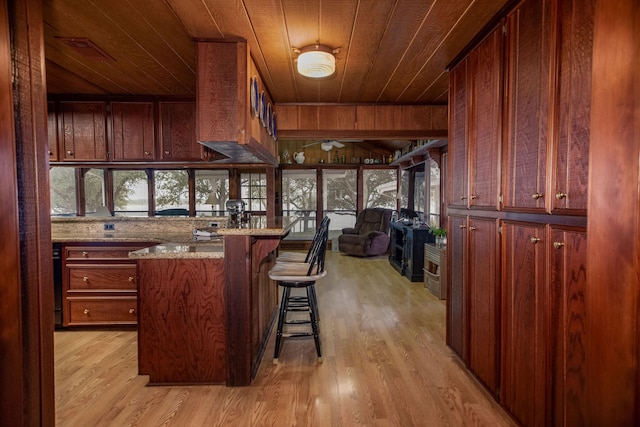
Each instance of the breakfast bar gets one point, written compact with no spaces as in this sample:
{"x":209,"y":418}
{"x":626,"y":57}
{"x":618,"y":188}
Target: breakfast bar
{"x":205,"y":309}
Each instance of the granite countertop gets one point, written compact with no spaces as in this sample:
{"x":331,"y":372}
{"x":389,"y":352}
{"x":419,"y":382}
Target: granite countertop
{"x":182,"y":251}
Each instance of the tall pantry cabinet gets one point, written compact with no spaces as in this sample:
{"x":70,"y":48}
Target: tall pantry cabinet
{"x":518,"y":150}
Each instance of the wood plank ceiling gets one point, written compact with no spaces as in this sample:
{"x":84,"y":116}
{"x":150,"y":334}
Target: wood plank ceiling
{"x":391,"y":51}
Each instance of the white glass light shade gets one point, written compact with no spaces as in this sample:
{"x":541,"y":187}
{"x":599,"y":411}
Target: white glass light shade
{"x":316,"y":63}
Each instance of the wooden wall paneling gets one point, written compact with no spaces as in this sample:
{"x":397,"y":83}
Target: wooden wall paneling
{"x":365,"y":117}
{"x":84,"y":130}
{"x":308,"y":117}
{"x":570,"y":164}
{"x":457,"y":315}
{"x":528,"y":88}
{"x":457,"y":180}
{"x":567,"y":325}
{"x":385,"y":117}
{"x":337,"y":117}
{"x":133,"y":127}
{"x":26,"y":318}
{"x":287,"y":117}
{"x":483,"y":301}
{"x":485,"y":111}
{"x":524,"y":347}
{"x":613,"y":285}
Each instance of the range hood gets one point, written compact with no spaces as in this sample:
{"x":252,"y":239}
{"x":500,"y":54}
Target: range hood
{"x":225,"y":120}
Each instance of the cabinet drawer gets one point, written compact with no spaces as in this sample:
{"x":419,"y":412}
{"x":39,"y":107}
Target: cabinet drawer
{"x":78,"y":253}
{"x":98,"y":277}
{"x":104,"y":310}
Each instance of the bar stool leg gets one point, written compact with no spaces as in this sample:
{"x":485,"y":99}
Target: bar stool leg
{"x":313,"y":305}
{"x":281,"y":318}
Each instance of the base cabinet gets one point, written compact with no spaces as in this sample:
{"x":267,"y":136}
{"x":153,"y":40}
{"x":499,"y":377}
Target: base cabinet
{"x":99,"y":284}
{"x":406,"y":252}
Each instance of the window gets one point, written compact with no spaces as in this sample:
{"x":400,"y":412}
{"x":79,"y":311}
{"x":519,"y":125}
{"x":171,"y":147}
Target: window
{"x":62,"y":190}
{"x":131,"y":193}
{"x":253,"y":190}
{"x":212,"y":192}
{"x":340,"y":194}
{"x":379,"y":188}
{"x":434,"y":193}
{"x":94,"y":193}
{"x":171,"y":190}
{"x":299,"y":194}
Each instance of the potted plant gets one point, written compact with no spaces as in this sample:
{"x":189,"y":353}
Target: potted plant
{"x":439,"y":233}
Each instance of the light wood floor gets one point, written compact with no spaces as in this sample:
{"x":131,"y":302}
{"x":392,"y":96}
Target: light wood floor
{"x":385,"y":364}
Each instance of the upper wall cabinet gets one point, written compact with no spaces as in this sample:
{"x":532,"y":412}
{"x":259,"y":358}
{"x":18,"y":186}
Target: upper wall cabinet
{"x":133,"y":131}
{"x":476,"y":107}
{"x":84,"y":135}
{"x":52,"y":128}
{"x":528,"y":82}
{"x":178,"y":132}
{"x":570,"y":167}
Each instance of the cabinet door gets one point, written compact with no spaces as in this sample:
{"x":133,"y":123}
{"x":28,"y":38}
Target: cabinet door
{"x":568,"y":322}
{"x":527,"y":93}
{"x":524,"y":339}
{"x":485,"y":65}
{"x":133,"y":131}
{"x":456,"y":293}
{"x":52,"y":129}
{"x":178,"y":132}
{"x":84,"y":130}
{"x":459,"y":136}
{"x":571,"y":159}
{"x":483,"y":294}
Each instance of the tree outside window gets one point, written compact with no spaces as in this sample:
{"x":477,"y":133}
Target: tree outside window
{"x":299,"y":198}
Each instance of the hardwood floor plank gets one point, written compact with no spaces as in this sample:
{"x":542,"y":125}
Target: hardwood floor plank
{"x":385,"y":363}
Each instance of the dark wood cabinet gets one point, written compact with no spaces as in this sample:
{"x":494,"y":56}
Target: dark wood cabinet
{"x":178,"y":132}
{"x":524,"y":344}
{"x":528,"y":79}
{"x":52,"y":129}
{"x":568,"y":322}
{"x":483,"y":301}
{"x":133,"y":133}
{"x":570,"y":153}
{"x":99,"y":284}
{"x":84,"y":135}
{"x":458,"y":135}
{"x":407,"y":250}
{"x":457,"y":285}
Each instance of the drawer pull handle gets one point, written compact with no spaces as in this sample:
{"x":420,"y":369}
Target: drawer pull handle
{"x":537,"y":196}
{"x":85,"y":279}
{"x":132,"y":310}
{"x":474,"y":196}
{"x":86,"y":311}
{"x":535,"y":240}
{"x":472,"y":229}
{"x":85,"y":253}
{"x":463,"y":197}
{"x":560,"y":195}
{"x":131,"y":278}
{"x":558,"y":245}
{"x":462,"y":226}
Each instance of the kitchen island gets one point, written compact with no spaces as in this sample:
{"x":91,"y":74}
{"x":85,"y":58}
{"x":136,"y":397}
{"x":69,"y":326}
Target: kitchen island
{"x":205,"y":309}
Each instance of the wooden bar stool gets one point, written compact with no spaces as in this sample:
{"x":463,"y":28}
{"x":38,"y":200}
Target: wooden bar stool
{"x":291,"y":275}
{"x":302,"y":257}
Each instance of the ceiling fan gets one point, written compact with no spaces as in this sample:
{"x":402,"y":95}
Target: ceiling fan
{"x":326,"y":145}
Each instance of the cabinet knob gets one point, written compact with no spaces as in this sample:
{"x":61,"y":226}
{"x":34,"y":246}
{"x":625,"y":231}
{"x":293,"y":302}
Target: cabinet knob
{"x":472,"y":229}
{"x":132,"y":310}
{"x":166,"y":151}
{"x":535,"y":240}
{"x":86,"y":311}
{"x":131,"y":278}
{"x":462,"y":226}
{"x":85,"y":253}
{"x":85,"y":279}
{"x":69,"y":153}
{"x":463,"y":197}
{"x":558,"y":245}
{"x":474,"y":196}
{"x":146,"y":153}
{"x":560,"y":195}
{"x":537,"y":196}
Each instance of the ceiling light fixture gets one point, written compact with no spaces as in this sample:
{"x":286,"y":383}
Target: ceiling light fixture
{"x":316,"y":61}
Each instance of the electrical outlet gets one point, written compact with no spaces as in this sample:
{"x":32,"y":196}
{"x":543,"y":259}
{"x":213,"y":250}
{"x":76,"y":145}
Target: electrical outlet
{"x":109,"y":227}
{"x":213,"y":224}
